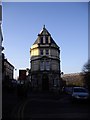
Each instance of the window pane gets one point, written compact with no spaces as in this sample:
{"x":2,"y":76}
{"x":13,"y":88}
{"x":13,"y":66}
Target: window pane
{"x":42,"y":65}
{"x":41,"y":40}
{"x":47,"y":65}
{"x":47,"y":52}
{"x":46,"y":40}
{"x":41,"y":52}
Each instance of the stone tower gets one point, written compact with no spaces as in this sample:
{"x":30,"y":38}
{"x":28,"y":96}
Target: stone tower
{"x":45,"y":63}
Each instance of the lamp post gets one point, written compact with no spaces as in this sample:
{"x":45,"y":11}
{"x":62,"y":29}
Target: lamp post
{"x":15,"y":73}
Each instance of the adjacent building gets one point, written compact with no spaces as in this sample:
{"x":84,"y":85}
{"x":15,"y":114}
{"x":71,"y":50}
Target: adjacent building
{"x":73,"y":79}
{"x":45,"y":62}
{"x":1,"y":40}
{"x":7,"y":69}
{"x":1,"y":48}
{"x":22,"y":74}
{"x":1,"y":36}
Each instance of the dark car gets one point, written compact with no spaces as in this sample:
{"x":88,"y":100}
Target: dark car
{"x":67,"y":90}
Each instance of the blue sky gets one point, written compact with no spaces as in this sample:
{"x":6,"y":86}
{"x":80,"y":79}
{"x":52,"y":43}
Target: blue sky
{"x":67,"y":23}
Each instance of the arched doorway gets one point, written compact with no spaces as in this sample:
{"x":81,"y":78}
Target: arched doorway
{"x":45,"y":82}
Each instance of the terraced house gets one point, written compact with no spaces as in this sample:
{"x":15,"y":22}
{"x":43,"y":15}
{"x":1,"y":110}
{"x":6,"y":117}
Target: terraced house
{"x":45,"y":63}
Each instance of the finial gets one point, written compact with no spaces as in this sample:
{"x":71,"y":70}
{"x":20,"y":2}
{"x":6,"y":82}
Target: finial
{"x":43,"y":26}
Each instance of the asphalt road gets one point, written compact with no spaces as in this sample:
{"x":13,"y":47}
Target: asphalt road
{"x":44,"y":106}
{"x":51,"y":108}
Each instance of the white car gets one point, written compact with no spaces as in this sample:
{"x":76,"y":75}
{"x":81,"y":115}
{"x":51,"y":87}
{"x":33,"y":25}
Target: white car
{"x":80,"y":93}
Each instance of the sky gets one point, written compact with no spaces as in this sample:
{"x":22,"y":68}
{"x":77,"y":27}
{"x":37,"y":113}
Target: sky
{"x":67,"y":22}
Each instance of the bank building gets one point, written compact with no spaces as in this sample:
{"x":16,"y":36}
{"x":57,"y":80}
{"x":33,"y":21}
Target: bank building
{"x":45,"y":63}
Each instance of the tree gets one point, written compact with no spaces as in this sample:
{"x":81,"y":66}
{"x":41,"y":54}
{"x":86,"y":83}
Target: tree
{"x":86,"y":73}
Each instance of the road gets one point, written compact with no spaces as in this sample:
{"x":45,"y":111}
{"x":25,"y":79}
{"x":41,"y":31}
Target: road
{"x":45,"y":105}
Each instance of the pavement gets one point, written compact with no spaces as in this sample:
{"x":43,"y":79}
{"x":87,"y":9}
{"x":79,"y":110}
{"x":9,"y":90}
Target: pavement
{"x":42,"y":106}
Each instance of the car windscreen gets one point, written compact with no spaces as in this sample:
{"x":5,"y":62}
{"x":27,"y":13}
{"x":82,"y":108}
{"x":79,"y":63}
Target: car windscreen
{"x":79,"y":90}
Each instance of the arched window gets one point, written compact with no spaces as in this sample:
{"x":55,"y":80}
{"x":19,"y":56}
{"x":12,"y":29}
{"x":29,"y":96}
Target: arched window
{"x":46,"y":40}
{"x":47,"y":52}
{"x":41,"y":40}
{"x":47,"y":65}
{"x":41,"y":52}
{"x":42,"y":65}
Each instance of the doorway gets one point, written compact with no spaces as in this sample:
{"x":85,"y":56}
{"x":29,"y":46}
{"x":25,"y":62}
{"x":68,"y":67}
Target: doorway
{"x":45,"y":82}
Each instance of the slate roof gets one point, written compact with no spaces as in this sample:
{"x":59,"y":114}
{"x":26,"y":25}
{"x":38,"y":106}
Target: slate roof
{"x":45,"y":32}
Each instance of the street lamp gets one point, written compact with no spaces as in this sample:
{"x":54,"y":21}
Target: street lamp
{"x":15,"y":73}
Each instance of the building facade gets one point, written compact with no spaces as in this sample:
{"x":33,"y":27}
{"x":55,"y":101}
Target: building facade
{"x":1,"y":48}
{"x":22,"y":74}
{"x":1,"y":40}
{"x":45,"y":62}
{"x":7,"y":69}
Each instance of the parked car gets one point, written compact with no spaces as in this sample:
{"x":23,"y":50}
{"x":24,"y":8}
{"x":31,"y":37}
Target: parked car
{"x":80,"y":93}
{"x":67,"y":90}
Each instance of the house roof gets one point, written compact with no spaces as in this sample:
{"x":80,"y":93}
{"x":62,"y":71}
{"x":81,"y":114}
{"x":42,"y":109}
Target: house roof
{"x":5,"y":60}
{"x":44,"y":32}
